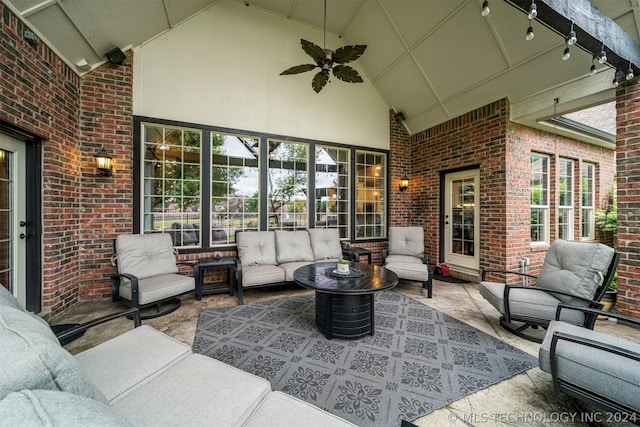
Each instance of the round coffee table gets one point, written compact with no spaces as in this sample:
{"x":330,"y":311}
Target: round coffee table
{"x":345,"y":303}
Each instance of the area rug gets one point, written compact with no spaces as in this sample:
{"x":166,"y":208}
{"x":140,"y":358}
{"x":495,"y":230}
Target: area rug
{"x":418,"y":360}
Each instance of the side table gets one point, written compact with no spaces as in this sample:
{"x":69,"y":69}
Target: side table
{"x":214,"y":264}
{"x":354,"y":254}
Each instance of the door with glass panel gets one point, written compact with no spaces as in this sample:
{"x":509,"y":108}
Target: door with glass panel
{"x":461,"y":212}
{"x":13,"y":227}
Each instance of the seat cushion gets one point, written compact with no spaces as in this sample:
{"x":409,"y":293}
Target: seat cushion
{"x":139,"y":355}
{"x":281,"y":410}
{"x":325,"y":243}
{"x":145,"y":255}
{"x":600,"y":371}
{"x":574,"y":267}
{"x":261,"y":275}
{"x":31,"y":357}
{"x":56,"y":408}
{"x":293,"y":246}
{"x":527,"y":303}
{"x":409,"y":271}
{"x":256,"y":248}
{"x":157,"y":288}
{"x":197,"y":391}
{"x":406,"y":259}
{"x":290,"y":267}
{"x":406,"y":241}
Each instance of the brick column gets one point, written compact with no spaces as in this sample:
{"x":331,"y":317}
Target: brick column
{"x":628,"y":169}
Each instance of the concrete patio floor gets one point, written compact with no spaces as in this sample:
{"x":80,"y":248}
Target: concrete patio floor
{"x":526,"y":399}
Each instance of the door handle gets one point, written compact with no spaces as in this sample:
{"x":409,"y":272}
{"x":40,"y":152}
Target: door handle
{"x":23,"y":223}
{"x":23,"y":235}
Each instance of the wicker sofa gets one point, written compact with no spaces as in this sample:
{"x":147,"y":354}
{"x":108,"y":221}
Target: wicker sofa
{"x":269,"y":258}
{"x":142,"y":377}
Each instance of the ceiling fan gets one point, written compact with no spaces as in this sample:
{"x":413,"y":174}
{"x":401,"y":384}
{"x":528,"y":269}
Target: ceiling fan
{"x":325,"y":59}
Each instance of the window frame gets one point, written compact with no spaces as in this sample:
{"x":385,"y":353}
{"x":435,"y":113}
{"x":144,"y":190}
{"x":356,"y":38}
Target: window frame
{"x":569,"y":196}
{"x":206,"y":164}
{"x":590,"y":209}
{"x":540,"y":207}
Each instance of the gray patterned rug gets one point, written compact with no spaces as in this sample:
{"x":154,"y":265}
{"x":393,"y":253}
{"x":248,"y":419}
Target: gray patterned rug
{"x":418,"y":360}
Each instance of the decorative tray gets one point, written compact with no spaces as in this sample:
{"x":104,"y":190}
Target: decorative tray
{"x":353,"y":272}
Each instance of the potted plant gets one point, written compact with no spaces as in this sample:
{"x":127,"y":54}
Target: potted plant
{"x":343,"y":267}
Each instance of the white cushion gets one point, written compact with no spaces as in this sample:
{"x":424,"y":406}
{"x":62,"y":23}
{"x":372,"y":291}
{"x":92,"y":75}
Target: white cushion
{"x":261,"y":275}
{"x":325,"y":243}
{"x":145,"y":255}
{"x":290,"y":267}
{"x":157,"y":288}
{"x":406,"y":241}
{"x":256,"y":248}
{"x":409,"y":271}
{"x":292,"y":246}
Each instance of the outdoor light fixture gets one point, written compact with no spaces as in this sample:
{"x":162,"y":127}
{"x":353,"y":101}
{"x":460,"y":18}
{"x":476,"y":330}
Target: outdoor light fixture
{"x":615,"y":81}
{"x":115,"y":56}
{"x":399,"y":116}
{"x":593,"y":70}
{"x":572,"y":38}
{"x":630,"y":74}
{"x":530,"y":34}
{"x":533,"y":10}
{"x":485,"y":8}
{"x":103,"y":163}
{"x":602,"y":58}
{"x":404,"y":183}
{"x":567,"y":52}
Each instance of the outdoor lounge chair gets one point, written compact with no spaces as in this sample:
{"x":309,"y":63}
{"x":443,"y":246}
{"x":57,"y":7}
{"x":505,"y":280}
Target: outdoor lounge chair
{"x":574,"y":273}
{"x":148,"y":274}
{"x":593,"y":367}
{"x":406,"y":257}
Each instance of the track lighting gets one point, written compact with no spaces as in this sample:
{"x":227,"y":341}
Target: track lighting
{"x":593,"y":70}
{"x":530,"y":34}
{"x":485,"y":8}
{"x":572,"y":38}
{"x":630,"y":74}
{"x":533,"y":10}
{"x":567,"y":52}
{"x":602,"y":58}
{"x":615,"y":82}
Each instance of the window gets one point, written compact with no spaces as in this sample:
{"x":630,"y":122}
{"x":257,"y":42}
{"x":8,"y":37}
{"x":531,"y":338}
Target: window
{"x":171,"y":183}
{"x":588,"y":200}
{"x":370,"y":188}
{"x":332,"y":188}
{"x":203,"y":184}
{"x":287,"y":185}
{"x":234,"y":186}
{"x":539,"y":198}
{"x":565,"y":199}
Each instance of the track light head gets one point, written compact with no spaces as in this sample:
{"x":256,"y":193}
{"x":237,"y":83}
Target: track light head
{"x":615,"y":81}
{"x":593,"y":70}
{"x":485,"y":8}
{"x":572,"y":38}
{"x":566,"y":54}
{"x":602,"y":57}
{"x":533,"y":10}
{"x":630,"y":74}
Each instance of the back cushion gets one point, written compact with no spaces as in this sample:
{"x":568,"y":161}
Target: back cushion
{"x":257,"y":247}
{"x":8,"y":300}
{"x":31,"y":357}
{"x":574,"y":267}
{"x":292,"y":246}
{"x":325,"y":243}
{"x":406,"y":241}
{"x":145,"y":255}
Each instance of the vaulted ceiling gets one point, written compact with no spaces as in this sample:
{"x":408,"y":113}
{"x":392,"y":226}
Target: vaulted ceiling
{"x":429,"y":59}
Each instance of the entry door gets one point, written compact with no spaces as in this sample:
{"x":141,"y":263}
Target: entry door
{"x":13,"y":230}
{"x":461,"y":210}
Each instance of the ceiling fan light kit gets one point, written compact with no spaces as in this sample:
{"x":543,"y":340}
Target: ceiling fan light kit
{"x":326,"y":58}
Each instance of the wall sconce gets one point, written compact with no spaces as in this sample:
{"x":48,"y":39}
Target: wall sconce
{"x":404,"y":183}
{"x":103,"y":163}
{"x":399,"y":116}
{"x":115,"y":55}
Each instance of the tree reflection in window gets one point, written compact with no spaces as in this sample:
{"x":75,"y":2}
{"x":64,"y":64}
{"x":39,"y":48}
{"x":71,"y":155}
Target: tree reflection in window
{"x":332,"y":189}
{"x":234,"y":186}
{"x":287,"y":185}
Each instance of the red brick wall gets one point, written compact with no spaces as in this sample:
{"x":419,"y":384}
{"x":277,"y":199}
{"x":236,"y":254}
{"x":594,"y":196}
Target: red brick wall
{"x":41,"y":95}
{"x":502,"y":150}
{"x":106,"y":203}
{"x":628,"y":161}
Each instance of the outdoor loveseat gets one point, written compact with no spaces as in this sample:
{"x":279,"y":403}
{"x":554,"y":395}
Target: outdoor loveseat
{"x":142,"y":377}
{"x":269,"y":258}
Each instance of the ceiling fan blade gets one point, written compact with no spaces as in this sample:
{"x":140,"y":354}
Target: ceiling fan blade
{"x":313,"y":50}
{"x":319,"y":81}
{"x":348,"y":53}
{"x":298,"y":69}
{"x":347,"y":74}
